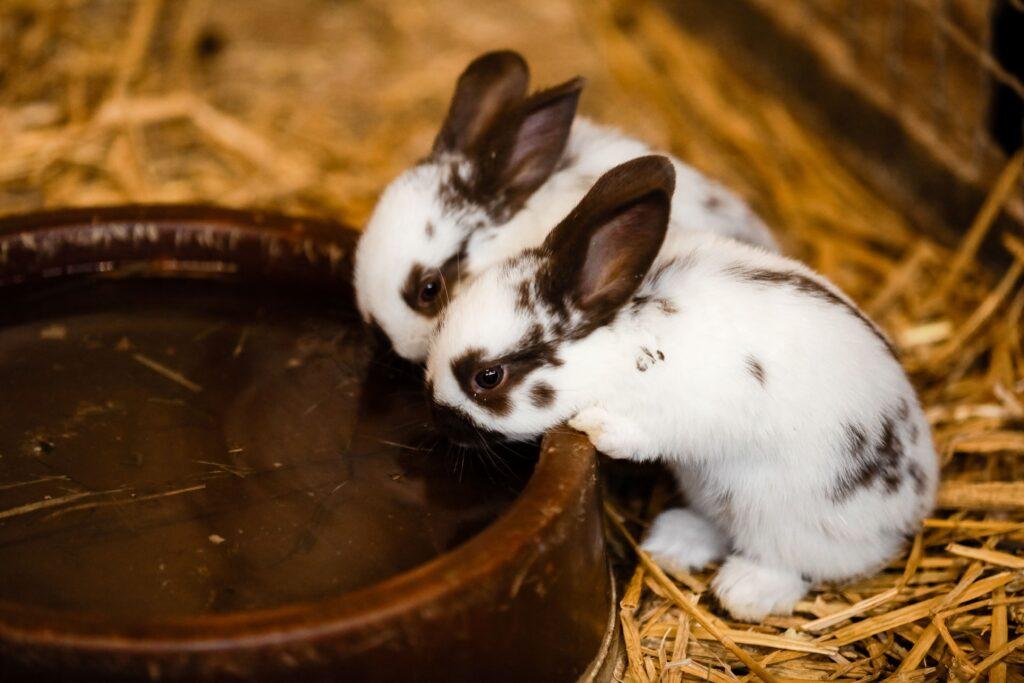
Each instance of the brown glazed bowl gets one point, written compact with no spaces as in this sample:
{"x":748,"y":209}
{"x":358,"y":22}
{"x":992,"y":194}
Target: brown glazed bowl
{"x":207,"y":473}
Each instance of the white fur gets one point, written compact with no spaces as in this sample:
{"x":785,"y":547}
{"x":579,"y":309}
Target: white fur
{"x":760,"y":462}
{"x":681,"y":539}
{"x":753,"y":590}
{"x":396,"y":237}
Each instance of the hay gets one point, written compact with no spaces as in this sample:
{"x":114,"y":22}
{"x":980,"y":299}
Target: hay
{"x":310,"y":106}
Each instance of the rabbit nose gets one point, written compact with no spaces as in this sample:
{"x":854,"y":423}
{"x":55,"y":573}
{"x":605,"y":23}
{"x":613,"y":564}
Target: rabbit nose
{"x":455,"y":425}
{"x":379,"y":338}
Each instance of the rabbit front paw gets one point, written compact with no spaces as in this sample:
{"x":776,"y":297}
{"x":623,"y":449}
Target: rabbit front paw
{"x":614,"y":436}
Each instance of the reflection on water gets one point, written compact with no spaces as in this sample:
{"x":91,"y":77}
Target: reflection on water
{"x":183,"y":447}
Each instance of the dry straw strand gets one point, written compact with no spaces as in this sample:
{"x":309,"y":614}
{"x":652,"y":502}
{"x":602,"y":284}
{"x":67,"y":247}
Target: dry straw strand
{"x":237,"y":103}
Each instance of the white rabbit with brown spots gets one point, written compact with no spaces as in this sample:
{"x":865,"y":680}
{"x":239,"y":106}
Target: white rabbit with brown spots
{"x":504,"y":169}
{"x":793,"y":430}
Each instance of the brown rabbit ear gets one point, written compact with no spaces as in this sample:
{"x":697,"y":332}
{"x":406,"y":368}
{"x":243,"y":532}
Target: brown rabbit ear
{"x":491,"y":84}
{"x":525,"y":145}
{"x":599,"y":255}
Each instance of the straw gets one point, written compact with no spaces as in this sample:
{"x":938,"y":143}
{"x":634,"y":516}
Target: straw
{"x":313,"y":108}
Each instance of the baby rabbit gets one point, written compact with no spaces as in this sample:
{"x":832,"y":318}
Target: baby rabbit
{"x":503,"y":170}
{"x":790,"y":424}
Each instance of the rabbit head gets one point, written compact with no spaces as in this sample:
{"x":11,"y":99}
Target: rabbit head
{"x":496,"y":147}
{"x":508,"y":351}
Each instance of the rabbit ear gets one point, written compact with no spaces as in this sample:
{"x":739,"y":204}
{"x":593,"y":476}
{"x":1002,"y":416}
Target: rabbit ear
{"x":599,"y":255}
{"x":491,"y":84}
{"x":525,"y":146}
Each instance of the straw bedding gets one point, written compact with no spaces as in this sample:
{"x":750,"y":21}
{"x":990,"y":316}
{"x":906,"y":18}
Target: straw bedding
{"x":311,"y":106}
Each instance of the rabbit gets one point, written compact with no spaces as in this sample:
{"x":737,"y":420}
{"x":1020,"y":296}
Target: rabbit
{"x":793,"y":431}
{"x":504,"y":168}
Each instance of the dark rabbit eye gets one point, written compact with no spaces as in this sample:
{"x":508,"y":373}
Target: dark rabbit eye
{"x":489,"y":378}
{"x":430,"y":289}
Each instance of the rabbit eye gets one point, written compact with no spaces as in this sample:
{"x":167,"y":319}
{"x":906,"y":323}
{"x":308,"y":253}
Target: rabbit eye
{"x":430,"y":289}
{"x":489,"y":378}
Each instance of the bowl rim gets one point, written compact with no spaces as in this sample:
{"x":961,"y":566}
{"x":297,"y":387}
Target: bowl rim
{"x":566,"y":464}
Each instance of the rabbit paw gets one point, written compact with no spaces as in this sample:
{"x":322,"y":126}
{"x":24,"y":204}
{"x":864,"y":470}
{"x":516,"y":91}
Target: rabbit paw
{"x":614,"y":436}
{"x":750,"y":591}
{"x":681,"y":540}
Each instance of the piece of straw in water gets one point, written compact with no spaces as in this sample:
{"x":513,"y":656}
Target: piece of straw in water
{"x":167,"y":372}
